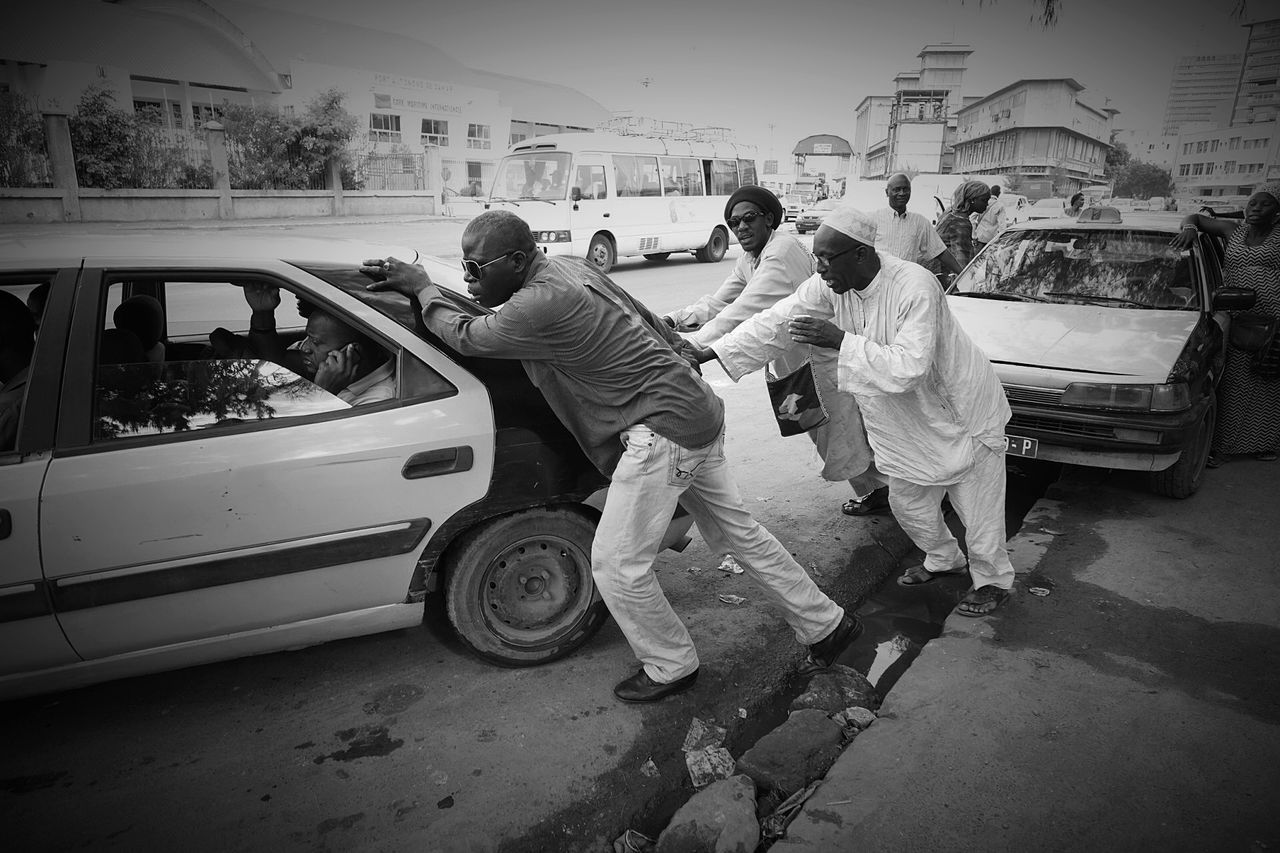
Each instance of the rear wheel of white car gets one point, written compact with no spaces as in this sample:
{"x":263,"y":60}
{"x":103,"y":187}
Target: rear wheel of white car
{"x":519,"y":590}
{"x":1182,"y":478}
{"x":601,"y":252}
{"x":717,"y":245}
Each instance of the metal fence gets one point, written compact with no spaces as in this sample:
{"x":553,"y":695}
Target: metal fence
{"x":376,"y":171}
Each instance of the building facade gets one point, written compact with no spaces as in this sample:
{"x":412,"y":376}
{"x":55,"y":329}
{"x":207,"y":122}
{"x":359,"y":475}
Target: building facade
{"x":1202,"y":92}
{"x":178,"y":64}
{"x":1039,"y":130}
{"x":918,"y":119}
{"x":1227,"y":161}
{"x":1258,"y":96}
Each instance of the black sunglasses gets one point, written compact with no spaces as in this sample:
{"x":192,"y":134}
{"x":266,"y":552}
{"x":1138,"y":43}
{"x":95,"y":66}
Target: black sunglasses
{"x":748,"y":217}
{"x":476,"y":270}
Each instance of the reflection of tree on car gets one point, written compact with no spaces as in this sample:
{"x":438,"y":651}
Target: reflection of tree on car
{"x":1129,"y":268}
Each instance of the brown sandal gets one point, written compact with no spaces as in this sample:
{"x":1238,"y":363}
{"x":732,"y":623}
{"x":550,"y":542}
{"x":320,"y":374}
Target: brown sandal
{"x":919,"y":575}
{"x":982,"y":601}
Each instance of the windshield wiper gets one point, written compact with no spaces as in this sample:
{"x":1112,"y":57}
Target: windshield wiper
{"x":1097,"y":298}
{"x":1003,"y":297}
{"x":493,"y":198}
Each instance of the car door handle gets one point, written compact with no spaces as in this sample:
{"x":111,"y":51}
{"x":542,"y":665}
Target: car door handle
{"x":433,"y":463}
{"x":6,"y":524}
{"x":605,"y":215}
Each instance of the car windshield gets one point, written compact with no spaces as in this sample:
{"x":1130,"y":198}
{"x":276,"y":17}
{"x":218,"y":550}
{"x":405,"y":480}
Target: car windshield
{"x":540,"y":176}
{"x":1122,"y":268}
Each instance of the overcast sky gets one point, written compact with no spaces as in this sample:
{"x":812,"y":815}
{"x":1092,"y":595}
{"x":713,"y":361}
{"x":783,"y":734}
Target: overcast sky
{"x":802,"y":66}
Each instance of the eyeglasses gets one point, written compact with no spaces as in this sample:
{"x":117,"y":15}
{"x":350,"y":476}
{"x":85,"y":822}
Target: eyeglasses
{"x":748,"y":217}
{"x":476,"y":270}
{"x":829,"y":258}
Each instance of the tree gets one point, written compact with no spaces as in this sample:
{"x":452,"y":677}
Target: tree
{"x":1013,"y":182}
{"x":1117,"y":160}
{"x":1143,"y":180}
{"x":21,"y":144}
{"x":116,"y":149}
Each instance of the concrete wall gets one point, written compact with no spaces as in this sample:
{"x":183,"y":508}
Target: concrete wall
{"x":50,"y":205}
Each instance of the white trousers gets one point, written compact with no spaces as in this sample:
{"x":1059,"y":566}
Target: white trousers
{"x":652,"y":476}
{"x":978,"y":499}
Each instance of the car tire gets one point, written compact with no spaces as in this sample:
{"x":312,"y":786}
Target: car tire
{"x":519,"y":590}
{"x":602,"y":253}
{"x":1182,"y":478}
{"x":717,"y":245}
{"x":657,"y":256}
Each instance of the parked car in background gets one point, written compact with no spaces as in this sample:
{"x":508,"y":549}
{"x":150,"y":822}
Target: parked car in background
{"x":1015,"y":206}
{"x":811,"y":217}
{"x":215,"y":502}
{"x":1046,"y":208}
{"x":1106,"y":341}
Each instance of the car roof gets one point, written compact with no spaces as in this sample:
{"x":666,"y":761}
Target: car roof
{"x":1146,"y":221}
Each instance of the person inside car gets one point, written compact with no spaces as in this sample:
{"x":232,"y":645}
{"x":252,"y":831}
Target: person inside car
{"x":17,"y":345}
{"x":332,"y":355}
{"x":345,"y":362}
{"x":620,"y":380}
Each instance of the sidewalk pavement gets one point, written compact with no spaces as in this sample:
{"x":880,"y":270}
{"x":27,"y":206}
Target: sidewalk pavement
{"x":1136,"y":706}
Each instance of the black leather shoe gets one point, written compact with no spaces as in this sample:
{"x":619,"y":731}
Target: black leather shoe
{"x":825,"y":652}
{"x":641,"y":688}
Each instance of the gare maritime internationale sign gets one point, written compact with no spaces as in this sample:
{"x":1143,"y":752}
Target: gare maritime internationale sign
{"x":415,"y":86}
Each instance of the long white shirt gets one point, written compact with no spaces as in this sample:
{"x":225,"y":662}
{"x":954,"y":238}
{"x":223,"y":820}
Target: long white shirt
{"x":755,"y":284}
{"x":992,"y":222}
{"x":757,"y":281}
{"x":907,"y":235}
{"x":926,"y":392}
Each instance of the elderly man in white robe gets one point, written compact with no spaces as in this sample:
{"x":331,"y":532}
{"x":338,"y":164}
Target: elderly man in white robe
{"x":933,"y":407}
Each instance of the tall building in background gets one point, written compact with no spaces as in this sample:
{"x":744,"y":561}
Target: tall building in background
{"x":1258,"y":97}
{"x":1202,"y":92}
{"x":913,"y":129}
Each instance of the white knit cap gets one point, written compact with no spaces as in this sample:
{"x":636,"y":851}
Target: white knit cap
{"x":847,"y":219}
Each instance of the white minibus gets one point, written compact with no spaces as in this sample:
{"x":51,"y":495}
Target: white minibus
{"x":604,"y":196}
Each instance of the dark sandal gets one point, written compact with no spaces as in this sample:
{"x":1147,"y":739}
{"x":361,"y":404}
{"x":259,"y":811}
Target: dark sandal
{"x":876,"y":503}
{"x":988,"y":598}
{"x":919,"y":575}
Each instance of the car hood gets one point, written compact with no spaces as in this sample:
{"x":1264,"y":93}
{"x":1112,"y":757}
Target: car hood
{"x":1140,"y":345}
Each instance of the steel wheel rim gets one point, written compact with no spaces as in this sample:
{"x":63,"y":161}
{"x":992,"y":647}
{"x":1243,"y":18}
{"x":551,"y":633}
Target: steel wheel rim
{"x":529,"y":589}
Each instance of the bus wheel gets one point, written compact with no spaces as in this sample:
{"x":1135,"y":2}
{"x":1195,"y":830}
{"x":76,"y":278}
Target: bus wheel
{"x":714,"y":251}
{"x":601,"y":252}
{"x":657,"y":256}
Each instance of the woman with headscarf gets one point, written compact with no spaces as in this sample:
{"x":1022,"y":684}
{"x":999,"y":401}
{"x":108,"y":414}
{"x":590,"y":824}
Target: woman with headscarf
{"x":1076,"y":205}
{"x":954,"y":226}
{"x":772,"y":266}
{"x":1249,"y":404}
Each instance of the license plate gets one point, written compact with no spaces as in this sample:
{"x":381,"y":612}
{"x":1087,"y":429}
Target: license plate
{"x":1016,"y":445}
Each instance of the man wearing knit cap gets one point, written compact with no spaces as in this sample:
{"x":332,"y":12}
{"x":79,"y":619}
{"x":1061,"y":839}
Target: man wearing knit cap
{"x":772,"y":266}
{"x":934,"y":410}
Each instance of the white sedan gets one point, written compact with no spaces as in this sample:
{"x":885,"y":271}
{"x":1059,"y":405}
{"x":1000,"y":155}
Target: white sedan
{"x":195,"y":497}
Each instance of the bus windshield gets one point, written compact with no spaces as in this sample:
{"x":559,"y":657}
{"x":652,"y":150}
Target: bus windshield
{"x":534,"y":175}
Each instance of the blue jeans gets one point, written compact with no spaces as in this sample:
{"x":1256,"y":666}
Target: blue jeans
{"x":653,"y":475}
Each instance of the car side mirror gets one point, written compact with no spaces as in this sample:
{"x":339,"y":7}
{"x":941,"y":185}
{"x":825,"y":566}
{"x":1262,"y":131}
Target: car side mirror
{"x":576,"y":193}
{"x":1234,"y":299}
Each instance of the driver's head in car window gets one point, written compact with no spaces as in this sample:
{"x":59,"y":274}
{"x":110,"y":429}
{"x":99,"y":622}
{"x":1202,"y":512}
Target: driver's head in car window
{"x":346,"y":362}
